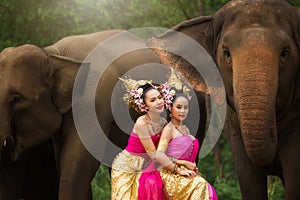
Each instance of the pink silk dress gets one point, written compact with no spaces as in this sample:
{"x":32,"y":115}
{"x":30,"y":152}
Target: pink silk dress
{"x":185,"y":147}
{"x":133,"y":174}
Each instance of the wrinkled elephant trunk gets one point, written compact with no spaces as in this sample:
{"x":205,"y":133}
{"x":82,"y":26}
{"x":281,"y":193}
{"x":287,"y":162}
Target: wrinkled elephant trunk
{"x":255,"y":86}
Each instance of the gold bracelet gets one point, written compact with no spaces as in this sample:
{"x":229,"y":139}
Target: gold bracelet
{"x":172,"y":159}
{"x":175,"y":168}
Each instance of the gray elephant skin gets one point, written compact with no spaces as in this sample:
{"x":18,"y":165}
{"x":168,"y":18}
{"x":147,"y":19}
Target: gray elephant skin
{"x":36,"y":105}
{"x":255,"y":44}
{"x":42,"y":156}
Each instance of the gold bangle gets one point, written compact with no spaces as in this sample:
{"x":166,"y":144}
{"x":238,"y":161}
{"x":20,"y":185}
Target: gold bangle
{"x":175,"y":168}
{"x":172,"y":159}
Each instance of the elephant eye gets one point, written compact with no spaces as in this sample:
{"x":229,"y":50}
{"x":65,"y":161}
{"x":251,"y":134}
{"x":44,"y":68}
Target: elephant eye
{"x":284,"y":55}
{"x":15,"y":99}
{"x":227,"y":56}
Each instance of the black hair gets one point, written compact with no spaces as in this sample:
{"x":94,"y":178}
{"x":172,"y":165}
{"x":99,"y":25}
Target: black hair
{"x":146,"y":88}
{"x":178,"y":93}
{"x":134,"y":106}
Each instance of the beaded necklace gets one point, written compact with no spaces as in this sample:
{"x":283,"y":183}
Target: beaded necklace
{"x":156,"y":126}
{"x":181,"y":128}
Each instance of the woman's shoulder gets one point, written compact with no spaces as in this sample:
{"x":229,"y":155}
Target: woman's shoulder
{"x":168,"y":128}
{"x":142,"y":121}
{"x":141,"y":127}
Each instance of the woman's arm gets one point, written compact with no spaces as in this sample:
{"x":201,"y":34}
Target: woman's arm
{"x":166,"y":136}
{"x":141,"y":128}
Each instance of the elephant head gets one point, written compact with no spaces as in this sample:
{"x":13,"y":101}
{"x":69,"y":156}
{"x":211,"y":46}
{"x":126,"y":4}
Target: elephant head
{"x":35,"y":93}
{"x":255,"y":45}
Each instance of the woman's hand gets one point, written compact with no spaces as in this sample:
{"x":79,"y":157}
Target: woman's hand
{"x":186,"y":172}
{"x":189,"y":165}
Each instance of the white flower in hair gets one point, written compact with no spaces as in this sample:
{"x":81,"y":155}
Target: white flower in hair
{"x":172,"y":92}
{"x":133,"y":95}
{"x":140,"y":90}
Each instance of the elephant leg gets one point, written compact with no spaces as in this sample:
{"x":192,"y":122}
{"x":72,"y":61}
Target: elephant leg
{"x":41,"y":174}
{"x":57,"y":146}
{"x":12,"y":175}
{"x":78,"y":168}
{"x":252,"y":179}
{"x":34,"y":176}
{"x":290,"y":159}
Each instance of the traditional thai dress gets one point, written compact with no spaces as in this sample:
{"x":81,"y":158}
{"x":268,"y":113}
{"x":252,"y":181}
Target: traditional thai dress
{"x":133,"y":173}
{"x":185,"y":147}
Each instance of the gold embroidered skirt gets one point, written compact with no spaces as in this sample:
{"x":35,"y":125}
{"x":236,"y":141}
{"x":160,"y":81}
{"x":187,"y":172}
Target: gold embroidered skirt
{"x":127,"y":169}
{"x":180,"y":187}
{"x":125,"y":174}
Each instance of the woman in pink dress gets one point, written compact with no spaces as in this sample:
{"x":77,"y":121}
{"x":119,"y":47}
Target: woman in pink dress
{"x":134,"y":174}
{"x":177,"y":142}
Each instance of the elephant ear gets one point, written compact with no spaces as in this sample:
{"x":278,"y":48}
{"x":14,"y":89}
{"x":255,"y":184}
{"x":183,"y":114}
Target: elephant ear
{"x":61,"y":75}
{"x":179,"y":39}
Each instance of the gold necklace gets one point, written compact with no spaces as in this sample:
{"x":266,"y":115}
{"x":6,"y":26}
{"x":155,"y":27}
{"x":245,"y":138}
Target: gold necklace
{"x":155,"y":126}
{"x":181,"y":129}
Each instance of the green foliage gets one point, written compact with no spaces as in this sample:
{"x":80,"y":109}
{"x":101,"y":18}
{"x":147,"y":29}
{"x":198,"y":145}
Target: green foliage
{"x":226,"y":187}
{"x":295,"y":3}
{"x":101,"y":184}
{"x":212,"y":5}
{"x":275,"y":188}
{"x":42,"y":22}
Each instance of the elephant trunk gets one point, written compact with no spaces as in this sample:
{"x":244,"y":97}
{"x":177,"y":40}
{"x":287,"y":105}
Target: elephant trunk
{"x":255,"y":86}
{"x":6,"y":138}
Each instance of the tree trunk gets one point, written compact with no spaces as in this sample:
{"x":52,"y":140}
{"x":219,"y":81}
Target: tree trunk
{"x":201,"y":8}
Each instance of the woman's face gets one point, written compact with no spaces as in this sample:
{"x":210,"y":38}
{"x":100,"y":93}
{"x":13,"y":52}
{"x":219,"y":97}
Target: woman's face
{"x":180,"y":108}
{"x":154,"y":101}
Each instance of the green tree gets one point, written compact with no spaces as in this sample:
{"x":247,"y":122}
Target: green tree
{"x":43,"y":22}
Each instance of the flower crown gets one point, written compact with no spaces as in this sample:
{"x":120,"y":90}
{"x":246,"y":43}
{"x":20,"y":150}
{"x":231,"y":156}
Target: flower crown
{"x":173,"y":82}
{"x":134,"y":92}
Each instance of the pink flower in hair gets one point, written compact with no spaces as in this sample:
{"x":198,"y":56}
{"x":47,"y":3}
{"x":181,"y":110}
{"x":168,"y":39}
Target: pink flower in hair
{"x":168,"y":94}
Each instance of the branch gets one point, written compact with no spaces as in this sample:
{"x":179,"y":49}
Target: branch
{"x":193,"y":7}
{"x":170,"y":23}
{"x":201,"y":11}
{"x":183,"y":11}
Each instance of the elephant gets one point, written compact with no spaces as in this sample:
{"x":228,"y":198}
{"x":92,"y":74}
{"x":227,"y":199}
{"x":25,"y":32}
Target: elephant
{"x":26,"y":178}
{"x":37,"y":100}
{"x":255,"y":46}
{"x":36,"y":110}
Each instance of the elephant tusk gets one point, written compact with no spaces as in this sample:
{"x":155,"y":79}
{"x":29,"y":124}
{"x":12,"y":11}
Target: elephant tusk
{"x":4,"y":143}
